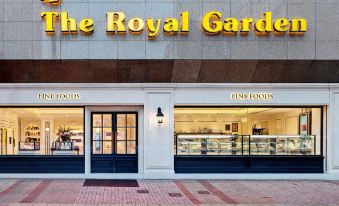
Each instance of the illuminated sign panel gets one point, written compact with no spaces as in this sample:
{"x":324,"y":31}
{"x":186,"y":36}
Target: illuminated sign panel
{"x":212,"y":23}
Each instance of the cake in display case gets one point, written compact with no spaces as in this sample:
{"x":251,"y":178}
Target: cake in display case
{"x":282,"y":144}
{"x":209,"y":144}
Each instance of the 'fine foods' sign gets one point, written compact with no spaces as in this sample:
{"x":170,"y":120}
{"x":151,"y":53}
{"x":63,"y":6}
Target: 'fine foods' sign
{"x":59,"y":96}
{"x":252,"y":96}
{"x":212,"y":23}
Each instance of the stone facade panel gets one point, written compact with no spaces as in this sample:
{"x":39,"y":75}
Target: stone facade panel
{"x":164,"y":50}
{"x":131,"y":49}
{"x":18,"y":50}
{"x":74,"y":50}
{"x":108,"y":50}
{"x":22,"y":25}
{"x":301,"y":50}
{"x":46,"y":49}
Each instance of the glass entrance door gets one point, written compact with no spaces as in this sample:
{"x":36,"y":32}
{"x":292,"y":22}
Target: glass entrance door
{"x":114,"y":142}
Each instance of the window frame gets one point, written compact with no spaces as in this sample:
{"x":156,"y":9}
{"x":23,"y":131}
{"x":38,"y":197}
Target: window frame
{"x":322,"y":126}
{"x":114,"y":133}
{"x":56,"y":107}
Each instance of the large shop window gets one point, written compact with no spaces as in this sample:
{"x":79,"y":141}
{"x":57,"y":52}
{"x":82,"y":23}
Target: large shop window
{"x":248,"y":131}
{"x":114,"y":133}
{"x":42,"y":131}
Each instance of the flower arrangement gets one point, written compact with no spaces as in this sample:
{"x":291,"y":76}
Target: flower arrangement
{"x":64,"y":133}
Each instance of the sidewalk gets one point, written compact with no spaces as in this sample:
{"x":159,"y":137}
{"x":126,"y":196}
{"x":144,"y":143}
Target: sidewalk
{"x":41,"y":192}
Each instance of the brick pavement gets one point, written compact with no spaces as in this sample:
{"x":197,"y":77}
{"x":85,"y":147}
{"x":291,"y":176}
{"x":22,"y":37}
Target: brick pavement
{"x":43,"y":192}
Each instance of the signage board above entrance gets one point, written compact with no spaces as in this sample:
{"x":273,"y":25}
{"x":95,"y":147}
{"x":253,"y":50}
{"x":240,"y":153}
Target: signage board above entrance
{"x":212,"y":23}
{"x":252,"y":96}
{"x":59,"y":96}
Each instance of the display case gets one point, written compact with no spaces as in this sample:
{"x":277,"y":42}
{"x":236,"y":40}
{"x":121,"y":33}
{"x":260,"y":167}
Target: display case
{"x":262,"y":145}
{"x":209,"y":144}
{"x":215,"y":144}
{"x":282,"y":144}
{"x":64,"y":148}
{"x":29,"y":146}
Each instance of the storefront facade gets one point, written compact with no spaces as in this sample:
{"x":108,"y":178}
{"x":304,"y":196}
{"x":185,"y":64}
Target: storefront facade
{"x":168,"y":89}
{"x":156,"y":144}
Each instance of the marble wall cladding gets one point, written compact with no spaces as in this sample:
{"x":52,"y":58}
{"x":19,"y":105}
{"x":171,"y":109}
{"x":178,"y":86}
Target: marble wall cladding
{"x":169,"y":71}
{"x":2,"y":54}
{"x":1,"y":10}
{"x":2,"y":50}
{"x":22,"y":33}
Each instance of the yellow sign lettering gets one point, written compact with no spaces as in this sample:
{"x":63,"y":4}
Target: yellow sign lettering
{"x":87,"y":26}
{"x":153,"y":31}
{"x":136,"y":25}
{"x":115,"y":22}
{"x":211,"y":23}
{"x":171,"y":26}
{"x":280,"y":25}
{"x":298,"y":26}
{"x":184,"y":22}
{"x":68,"y":25}
{"x":53,"y":2}
{"x":49,"y":17}
{"x":231,"y":26}
{"x":245,"y":25}
{"x":264,"y":25}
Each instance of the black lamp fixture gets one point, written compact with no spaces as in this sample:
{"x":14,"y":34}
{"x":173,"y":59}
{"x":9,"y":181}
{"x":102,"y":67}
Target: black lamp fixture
{"x":160,"y":115}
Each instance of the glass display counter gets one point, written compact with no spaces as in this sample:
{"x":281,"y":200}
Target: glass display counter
{"x":219,"y":144}
{"x":209,"y":144}
{"x":29,"y":146}
{"x":62,"y":145}
{"x":282,"y":145}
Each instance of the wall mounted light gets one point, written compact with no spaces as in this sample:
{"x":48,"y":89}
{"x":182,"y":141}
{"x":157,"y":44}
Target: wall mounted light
{"x":160,"y":115}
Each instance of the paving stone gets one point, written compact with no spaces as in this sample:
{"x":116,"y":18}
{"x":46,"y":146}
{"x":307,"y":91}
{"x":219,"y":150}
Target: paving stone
{"x":174,"y":194}
{"x":142,"y":191}
{"x":204,"y":192}
{"x":70,"y":192}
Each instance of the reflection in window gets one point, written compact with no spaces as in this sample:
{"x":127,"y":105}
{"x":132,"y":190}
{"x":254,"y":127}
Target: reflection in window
{"x":107,"y":119}
{"x":42,"y":131}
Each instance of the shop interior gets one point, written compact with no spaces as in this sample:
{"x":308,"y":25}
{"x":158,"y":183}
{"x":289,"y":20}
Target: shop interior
{"x":41,"y":131}
{"x":247,"y":130}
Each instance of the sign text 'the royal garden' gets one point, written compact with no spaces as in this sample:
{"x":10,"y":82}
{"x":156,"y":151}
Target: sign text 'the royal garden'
{"x":212,"y":23}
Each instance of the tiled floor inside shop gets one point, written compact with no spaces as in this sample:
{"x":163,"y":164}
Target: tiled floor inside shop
{"x":168,"y":192}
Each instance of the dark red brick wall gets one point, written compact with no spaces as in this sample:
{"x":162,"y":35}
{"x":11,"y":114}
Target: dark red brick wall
{"x":167,"y":71}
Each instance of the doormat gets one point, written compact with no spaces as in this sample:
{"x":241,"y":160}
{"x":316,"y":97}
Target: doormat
{"x":110,"y":183}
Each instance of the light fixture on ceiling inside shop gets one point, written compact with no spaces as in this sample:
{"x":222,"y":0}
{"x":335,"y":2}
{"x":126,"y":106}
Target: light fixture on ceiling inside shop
{"x":160,"y":115}
{"x":47,"y":126}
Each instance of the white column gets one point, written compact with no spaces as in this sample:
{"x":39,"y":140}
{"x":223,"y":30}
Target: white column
{"x":43,"y":134}
{"x":87,"y":140}
{"x":159,"y":137}
{"x":333,"y":137}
